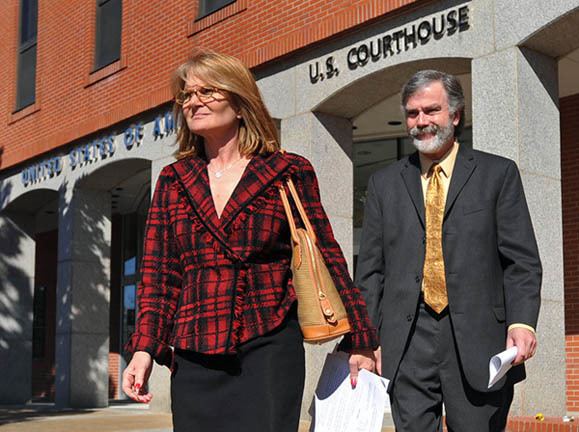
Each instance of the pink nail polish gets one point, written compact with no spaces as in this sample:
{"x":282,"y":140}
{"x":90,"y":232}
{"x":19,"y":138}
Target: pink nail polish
{"x":353,"y":382}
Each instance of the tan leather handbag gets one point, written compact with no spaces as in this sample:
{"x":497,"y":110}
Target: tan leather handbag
{"x":321,"y":313}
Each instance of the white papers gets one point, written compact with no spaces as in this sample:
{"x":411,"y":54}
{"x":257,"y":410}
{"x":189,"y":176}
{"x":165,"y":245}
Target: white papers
{"x":339,"y":408}
{"x":500,"y":365}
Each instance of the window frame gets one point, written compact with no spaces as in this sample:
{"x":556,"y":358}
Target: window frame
{"x":100,"y":60}
{"x":205,"y":8}
{"x":200,"y":24}
{"x":26,"y":85}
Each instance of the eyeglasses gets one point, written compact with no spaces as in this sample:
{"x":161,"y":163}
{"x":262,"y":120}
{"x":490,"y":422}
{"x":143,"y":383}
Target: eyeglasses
{"x":204,"y":94}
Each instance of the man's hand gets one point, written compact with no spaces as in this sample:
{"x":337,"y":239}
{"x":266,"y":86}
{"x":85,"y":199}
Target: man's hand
{"x":136,"y":376}
{"x":364,"y":359}
{"x":525,"y":341}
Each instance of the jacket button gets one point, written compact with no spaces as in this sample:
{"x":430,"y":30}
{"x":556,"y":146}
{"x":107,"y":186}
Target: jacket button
{"x":417,"y":279}
{"x":408,"y":318}
{"x":423,"y":240}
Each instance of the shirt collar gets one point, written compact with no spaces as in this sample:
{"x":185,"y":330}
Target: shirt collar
{"x":446,"y":162}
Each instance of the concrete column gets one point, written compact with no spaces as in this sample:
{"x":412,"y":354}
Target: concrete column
{"x":326,"y":141}
{"x":508,"y":86}
{"x":160,"y":379}
{"x":17,"y":259}
{"x":83,"y":295}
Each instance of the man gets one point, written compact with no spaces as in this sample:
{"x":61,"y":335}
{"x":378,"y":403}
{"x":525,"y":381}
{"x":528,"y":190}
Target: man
{"x":449,"y":268}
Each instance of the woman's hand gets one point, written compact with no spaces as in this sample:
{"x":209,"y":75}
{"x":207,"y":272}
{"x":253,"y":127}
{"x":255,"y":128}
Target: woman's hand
{"x":364,"y":359}
{"x":136,"y":376}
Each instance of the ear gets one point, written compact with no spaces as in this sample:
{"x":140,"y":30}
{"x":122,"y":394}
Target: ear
{"x":456,"y":119}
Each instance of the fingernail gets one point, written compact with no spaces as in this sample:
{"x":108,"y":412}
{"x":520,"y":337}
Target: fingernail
{"x":137,"y":387}
{"x":353,"y":382}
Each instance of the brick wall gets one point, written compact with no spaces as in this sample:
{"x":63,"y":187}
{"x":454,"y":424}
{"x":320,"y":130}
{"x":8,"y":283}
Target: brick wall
{"x":570,"y":197}
{"x":114,"y":383}
{"x":115,"y":306}
{"x":72,"y":103}
{"x":549,"y":424}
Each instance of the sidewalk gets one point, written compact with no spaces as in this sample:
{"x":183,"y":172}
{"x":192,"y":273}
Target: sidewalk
{"x":116,"y":418}
{"x":130,"y":417}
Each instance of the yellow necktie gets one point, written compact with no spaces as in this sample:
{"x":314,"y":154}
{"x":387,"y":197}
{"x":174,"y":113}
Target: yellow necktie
{"x":434,"y":279}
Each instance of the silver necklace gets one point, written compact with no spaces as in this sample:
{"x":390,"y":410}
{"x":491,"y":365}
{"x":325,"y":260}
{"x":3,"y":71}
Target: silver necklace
{"x":219,"y":173}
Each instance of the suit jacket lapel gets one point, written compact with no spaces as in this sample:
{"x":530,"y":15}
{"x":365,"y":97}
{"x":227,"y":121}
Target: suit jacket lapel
{"x":259,"y":174}
{"x":411,"y":176}
{"x":463,"y":169}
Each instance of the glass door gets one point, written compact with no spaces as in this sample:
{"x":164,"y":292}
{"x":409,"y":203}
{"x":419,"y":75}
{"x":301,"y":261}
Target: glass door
{"x":133,"y":230}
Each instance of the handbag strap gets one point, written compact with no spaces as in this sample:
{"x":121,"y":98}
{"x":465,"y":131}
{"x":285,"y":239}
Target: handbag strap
{"x":325,"y":304}
{"x":301,"y":211}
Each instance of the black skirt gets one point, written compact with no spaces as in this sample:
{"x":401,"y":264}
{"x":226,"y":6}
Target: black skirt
{"x":258,"y":390}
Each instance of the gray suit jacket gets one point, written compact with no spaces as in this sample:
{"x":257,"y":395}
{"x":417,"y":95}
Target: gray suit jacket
{"x":493,"y":270}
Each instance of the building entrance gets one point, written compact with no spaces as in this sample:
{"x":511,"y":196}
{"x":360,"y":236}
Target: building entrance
{"x":379,"y":139}
{"x":44,"y":312}
{"x":130,"y":204}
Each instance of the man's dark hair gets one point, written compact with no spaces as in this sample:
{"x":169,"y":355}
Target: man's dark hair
{"x":451,"y":85}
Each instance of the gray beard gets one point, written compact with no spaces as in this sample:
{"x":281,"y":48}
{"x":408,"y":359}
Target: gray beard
{"x":433,"y":145}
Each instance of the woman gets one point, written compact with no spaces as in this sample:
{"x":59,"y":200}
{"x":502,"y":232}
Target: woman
{"x":216,"y":282}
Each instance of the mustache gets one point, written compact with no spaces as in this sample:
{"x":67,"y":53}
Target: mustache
{"x":430,"y":129}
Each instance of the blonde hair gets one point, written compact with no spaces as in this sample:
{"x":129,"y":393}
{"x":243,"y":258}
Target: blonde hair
{"x":257,"y":131}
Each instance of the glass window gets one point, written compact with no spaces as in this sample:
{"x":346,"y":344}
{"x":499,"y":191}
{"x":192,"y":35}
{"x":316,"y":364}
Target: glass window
{"x":133,"y":231}
{"x":130,"y":246}
{"x":129,"y":312}
{"x":108,"y":32}
{"x":28,"y":20}
{"x":465,"y":137}
{"x":39,"y":322}
{"x":207,"y":7}
{"x":26,"y":80}
{"x":130,"y":266}
{"x":370,"y":156}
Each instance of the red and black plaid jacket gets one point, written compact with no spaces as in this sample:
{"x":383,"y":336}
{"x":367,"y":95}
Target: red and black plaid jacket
{"x":209,"y":283}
